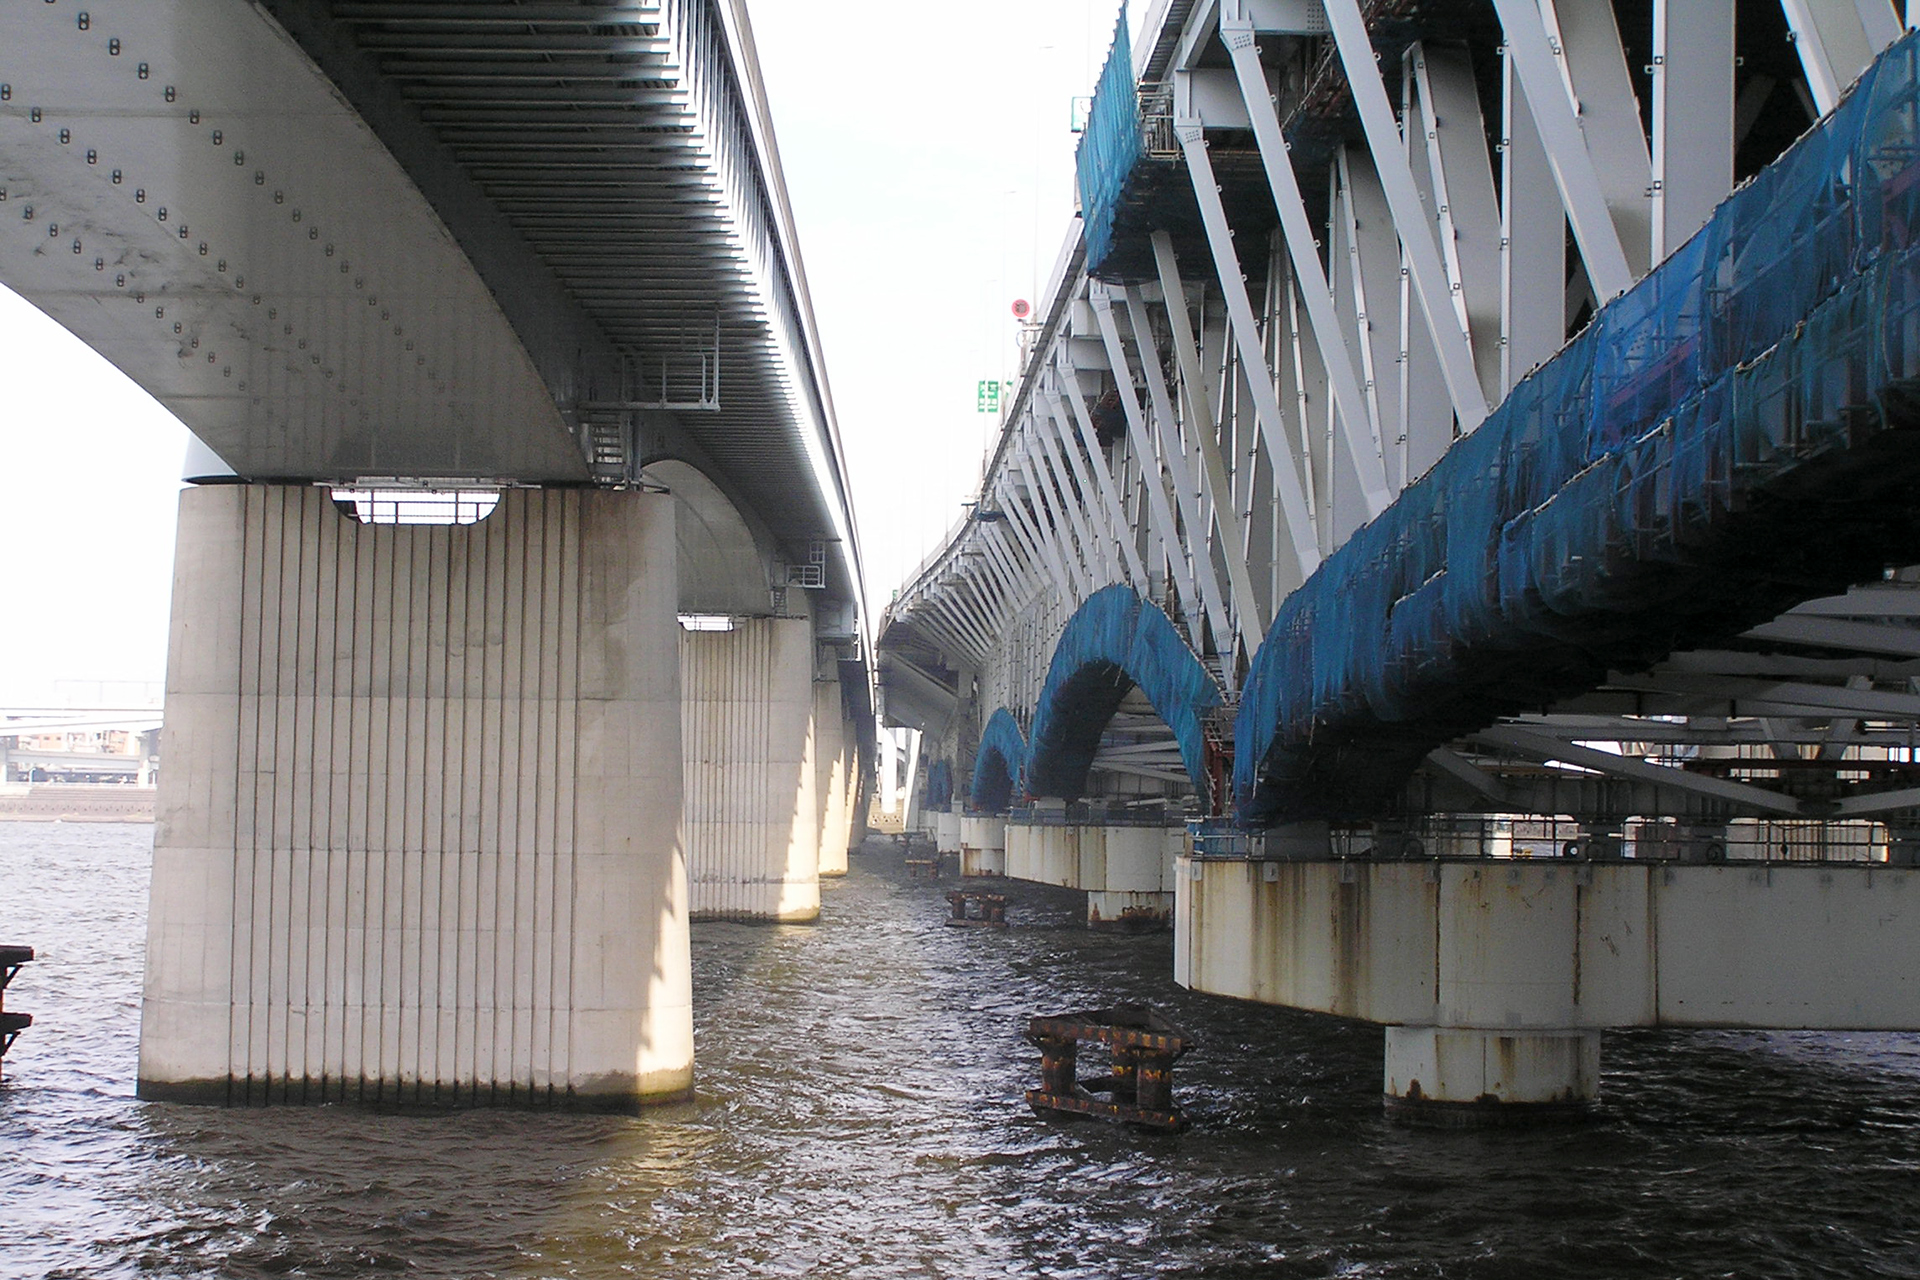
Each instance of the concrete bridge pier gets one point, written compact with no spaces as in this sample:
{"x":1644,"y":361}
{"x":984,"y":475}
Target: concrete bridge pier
{"x":1494,"y":977}
{"x":754,"y":817}
{"x":983,"y":845}
{"x":417,"y":830}
{"x":1125,"y":871}
{"x":1473,"y":1076}
{"x":837,"y":784}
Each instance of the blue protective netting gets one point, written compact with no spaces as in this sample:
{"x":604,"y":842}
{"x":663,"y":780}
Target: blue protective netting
{"x":1110,"y":146}
{"x":998,"y":764}
{"x":940,"y":785}
{"x":1113,"y":642}
{"x":1730,"y":437}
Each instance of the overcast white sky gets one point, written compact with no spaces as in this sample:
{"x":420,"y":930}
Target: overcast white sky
{"x":929,"y":158}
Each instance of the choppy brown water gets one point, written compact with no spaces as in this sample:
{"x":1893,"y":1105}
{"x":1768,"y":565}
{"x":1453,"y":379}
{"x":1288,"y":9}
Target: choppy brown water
{"x":860,"y":1115}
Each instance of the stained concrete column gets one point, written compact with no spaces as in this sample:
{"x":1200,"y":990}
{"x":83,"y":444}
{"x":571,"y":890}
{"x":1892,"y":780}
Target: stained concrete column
{"x":753,"y":817}
{"x":416,"y":838}
{"x":983,"y":845}
{"x":1456,"y":1076}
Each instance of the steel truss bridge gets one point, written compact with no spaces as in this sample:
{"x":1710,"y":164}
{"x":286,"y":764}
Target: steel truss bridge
{"x":1439,"y":412}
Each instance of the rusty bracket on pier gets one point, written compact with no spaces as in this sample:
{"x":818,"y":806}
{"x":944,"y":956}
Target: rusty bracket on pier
{"x":1138,"y":1089}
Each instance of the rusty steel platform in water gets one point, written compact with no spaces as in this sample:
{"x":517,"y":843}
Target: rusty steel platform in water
{"x":11,"y":1024}
{"x":1137,"y":1090}
{"x":973,"y":907}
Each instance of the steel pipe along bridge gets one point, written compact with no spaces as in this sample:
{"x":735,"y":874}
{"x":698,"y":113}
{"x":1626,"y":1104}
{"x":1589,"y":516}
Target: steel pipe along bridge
{"x":517,"y":608}
{"x":1451,"y":545}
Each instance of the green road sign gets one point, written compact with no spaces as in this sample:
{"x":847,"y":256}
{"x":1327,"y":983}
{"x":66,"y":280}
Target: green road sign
{"x":987,"y":399}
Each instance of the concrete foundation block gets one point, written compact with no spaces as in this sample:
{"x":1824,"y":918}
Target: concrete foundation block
{"x":1129,"y":911}
{"x":1463,"y":1076}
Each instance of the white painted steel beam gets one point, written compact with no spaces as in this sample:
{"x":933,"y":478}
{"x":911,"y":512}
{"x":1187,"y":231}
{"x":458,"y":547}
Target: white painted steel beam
{"x":1063,"y":528}
{"x":1186,"y":487}
{"x":1088,"y":514}
{"x":1121,"y":530}
{"x":1466,"y":210}
{"x":1359,"y":431}
{"x":1165,"y":531}
{"x":1232,"y":536}
{"x":1836,"y":39}
{"x":1424,"y":265}
{"x":1246,"y":336}
{"x":1840,"y":633}
{"x":1693,"y":62}
{"x":1371,"y":257}
{"x":1543,"y":747}
{"x":1533,"y":255}
{"x":1536,"y":58}
{"x":1038,"y":540}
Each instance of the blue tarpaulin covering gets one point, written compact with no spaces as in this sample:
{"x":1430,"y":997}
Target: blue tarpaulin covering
{"x":940,"y":785}
{"x":1113,"y":642}
{"x":998,"y":764}
{"x":1732,"y":436}
{"x":1110,"y":145}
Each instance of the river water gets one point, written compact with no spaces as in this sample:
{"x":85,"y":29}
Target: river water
{"x":860,"y":1115}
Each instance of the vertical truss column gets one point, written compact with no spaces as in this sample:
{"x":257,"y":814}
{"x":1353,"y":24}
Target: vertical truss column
{"x":1692,"y":116}
{"x":1095,"y":548}
{"x":1036,"y":550}
{"x":1103,"y":476}
{"x":1246,"y":605}
{"x":1038,"y":546}
{"x":1424,"y":266}
{"x":1194,"y":574}
{"x":1246,"y":337}
{"x":1369,"y":458}
{"x":1533,"y":241}
{"x":1061,"y":522}
{"x":1536,"y":59}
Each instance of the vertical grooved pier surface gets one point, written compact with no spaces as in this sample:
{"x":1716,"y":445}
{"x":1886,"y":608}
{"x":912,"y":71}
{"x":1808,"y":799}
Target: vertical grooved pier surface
{"x":417,"y":831}
{"x":753,"y":818}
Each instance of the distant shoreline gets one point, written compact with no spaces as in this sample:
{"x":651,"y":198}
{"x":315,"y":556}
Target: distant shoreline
{"x":73,"y":802}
